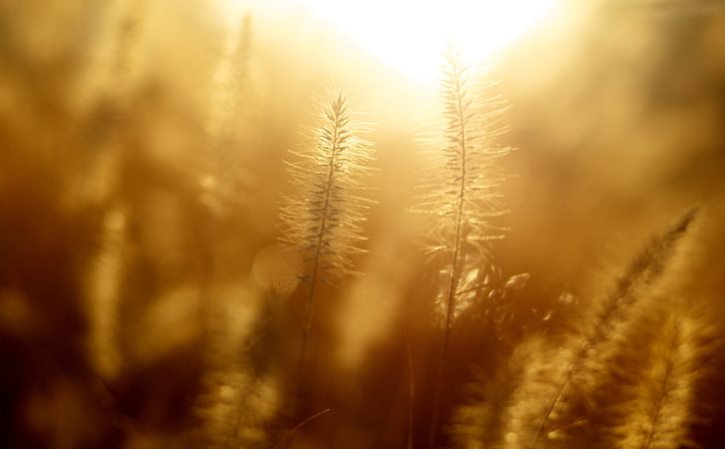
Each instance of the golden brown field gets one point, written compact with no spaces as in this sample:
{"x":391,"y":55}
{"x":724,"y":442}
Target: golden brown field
{"x":299,"y":224}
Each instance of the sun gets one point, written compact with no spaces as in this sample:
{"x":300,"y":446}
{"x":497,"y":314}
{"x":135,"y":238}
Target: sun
{"x":411,"y":35}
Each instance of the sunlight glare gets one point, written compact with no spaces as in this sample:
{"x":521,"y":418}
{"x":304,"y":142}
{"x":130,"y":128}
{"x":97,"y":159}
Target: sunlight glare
{"x":411,"y":35}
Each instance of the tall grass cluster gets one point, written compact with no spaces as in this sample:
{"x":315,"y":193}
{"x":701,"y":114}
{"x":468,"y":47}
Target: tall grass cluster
{"x":203,"y":246}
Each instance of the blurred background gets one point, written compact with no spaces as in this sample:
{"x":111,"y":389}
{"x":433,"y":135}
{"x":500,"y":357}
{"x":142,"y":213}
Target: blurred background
{"x":145,"y":301}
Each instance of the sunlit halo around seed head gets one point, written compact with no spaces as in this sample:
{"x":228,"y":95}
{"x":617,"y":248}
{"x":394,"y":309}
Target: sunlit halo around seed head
{"x":411,"y":35}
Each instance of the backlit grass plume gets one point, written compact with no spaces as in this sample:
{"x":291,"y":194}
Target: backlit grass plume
{"x":542,"y":410}
{"x":463,"y":196}
{"x":323,"y":217}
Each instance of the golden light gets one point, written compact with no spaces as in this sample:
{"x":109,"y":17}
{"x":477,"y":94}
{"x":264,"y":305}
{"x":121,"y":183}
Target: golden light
{"x":411,"y":35}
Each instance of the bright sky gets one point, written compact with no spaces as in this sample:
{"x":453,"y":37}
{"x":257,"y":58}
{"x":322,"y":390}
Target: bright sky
{"x":411,"y":35}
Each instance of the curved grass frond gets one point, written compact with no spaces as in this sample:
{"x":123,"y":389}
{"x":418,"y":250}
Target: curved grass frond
{"x":660,"y":409}
{"x":479,"y":424}
{"x":549,"y":397}
{"x":240,"y":391}
{"x":323,"y":218}
{"x":542,"y":376}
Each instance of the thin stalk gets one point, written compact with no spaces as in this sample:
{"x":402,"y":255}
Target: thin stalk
{"x":656,"y":413}
{"x":411,"y":393}
{"x":288,"y":434}
{"x":453,"y":284}
{"x":309,"y":304}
